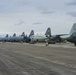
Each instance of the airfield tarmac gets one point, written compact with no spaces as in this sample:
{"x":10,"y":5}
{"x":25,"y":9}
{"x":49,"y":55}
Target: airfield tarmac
{"x":37,"y":59}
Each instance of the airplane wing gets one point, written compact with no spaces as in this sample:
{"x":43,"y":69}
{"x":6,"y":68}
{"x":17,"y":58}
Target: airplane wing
{"x":61,"y":34}
{"x":56,"y":38}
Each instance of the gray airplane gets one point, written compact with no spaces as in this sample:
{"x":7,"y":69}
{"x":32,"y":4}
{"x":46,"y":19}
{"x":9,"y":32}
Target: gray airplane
{"x":28,"y":38}
{"x":41,"y":38}
{"x":20,"y":38}
{"x":14,"y":38}
{"x":71,"y":37}
{"x":5,"y":39}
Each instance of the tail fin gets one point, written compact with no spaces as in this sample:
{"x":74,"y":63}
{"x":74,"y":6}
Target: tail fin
{"x":23,"y":34}
{"x":32,"y":33}
{"x":14,"y":35}
{"x":48,"y":32}
{"x":73,"y":29}
{"x":6,"y":35}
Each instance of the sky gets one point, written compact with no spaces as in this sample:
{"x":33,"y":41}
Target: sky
{"x":17,"y":16}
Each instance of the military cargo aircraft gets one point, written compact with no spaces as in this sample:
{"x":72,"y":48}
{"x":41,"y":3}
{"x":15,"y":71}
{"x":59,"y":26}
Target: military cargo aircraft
{"x":14,"y":38}
{"x":41,"y":38}
{"x":28,"y":38}
{"x":71,"y":37}
{"x":20,"y":38}
{"x":5,"y":39}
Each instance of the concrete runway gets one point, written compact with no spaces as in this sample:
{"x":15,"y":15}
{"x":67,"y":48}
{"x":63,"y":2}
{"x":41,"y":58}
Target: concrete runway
{"x":38,"y":59}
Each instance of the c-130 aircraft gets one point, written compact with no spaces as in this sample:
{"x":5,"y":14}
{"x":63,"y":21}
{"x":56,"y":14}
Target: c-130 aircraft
{"x":14,"y":38}
{"x":71,"y":37}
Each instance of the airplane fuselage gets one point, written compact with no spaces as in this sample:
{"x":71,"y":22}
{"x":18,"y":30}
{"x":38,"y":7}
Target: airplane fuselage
{"x":71,"y":38}
{"x":17,"y":39}
{"x":38,"y":38}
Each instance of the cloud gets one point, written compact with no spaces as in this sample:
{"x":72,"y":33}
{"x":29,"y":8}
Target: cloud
{"x":47,"y":12}
{"x":20,"y":22}
{"x":37,"y":23}
{"x":73,"y":13}
{"x":72,"y":3}
{"x":21,"y":2}
{"x":20,"y":6}
{"x":37,"y":13}
{"x":11,"y":6}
